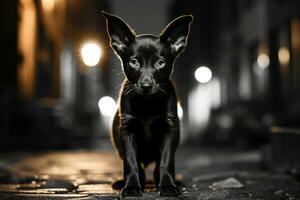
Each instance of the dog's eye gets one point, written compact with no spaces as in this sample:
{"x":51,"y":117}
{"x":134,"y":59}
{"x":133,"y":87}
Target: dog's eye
{"x":134,"y":63}
{"x":160,"y":63}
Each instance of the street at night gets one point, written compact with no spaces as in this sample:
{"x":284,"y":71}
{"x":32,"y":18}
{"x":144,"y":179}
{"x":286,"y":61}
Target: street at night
{"x":160,"y":99}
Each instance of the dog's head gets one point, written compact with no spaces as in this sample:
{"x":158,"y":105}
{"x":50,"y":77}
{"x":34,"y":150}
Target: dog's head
{"x":148,"y":60}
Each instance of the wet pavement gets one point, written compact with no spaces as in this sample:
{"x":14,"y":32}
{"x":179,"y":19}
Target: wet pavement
{"x":85,"y":175}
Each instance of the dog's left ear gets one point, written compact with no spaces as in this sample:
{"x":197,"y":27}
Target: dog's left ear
{"x":176,"y":33}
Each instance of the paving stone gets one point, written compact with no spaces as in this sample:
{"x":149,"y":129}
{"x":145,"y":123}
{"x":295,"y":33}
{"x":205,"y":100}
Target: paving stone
{"x":216,"y":195}
{"x":95,"y":189}
{"x":45,"y":197}
{"x":58,"y":184}
{"x":227,"y":183}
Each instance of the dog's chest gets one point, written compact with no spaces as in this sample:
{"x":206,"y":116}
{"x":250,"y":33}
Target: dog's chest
{"x":148,"y":108}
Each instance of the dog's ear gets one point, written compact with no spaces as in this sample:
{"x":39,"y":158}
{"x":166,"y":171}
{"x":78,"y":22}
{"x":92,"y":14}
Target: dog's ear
{"x":176,"y":33}
{"x":119,"y":32}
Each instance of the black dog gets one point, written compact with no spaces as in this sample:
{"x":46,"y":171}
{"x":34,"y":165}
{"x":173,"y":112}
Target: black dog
{"x":146,"y":126}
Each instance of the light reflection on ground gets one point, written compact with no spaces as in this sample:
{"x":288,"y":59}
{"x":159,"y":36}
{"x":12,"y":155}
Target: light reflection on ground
{"x":89,"y":175}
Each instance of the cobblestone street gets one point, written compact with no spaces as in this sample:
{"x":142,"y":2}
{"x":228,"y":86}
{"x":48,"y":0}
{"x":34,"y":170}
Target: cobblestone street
{"x":204,"y":174}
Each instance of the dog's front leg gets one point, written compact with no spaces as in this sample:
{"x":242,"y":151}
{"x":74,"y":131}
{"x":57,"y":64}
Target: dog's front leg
{"x":166,"y":171}
{"x":167,"y":186}
{"x":131,"y":171}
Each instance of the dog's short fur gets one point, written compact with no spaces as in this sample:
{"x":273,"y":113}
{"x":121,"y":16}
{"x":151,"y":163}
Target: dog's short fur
{"x":146,"y":126}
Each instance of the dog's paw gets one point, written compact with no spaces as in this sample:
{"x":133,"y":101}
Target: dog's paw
{"x":118,"y":185}
{"x":132,"y":192}
{"x":169,"y":191}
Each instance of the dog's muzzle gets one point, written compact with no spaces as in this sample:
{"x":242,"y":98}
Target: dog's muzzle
{"x":147,"y":86}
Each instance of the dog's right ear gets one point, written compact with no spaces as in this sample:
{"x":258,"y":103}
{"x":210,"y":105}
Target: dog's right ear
{"x":119,"y":32}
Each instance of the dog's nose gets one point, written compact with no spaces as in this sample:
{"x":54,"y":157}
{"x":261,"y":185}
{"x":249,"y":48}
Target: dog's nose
{"x":146,"y":82}
{"x":146,"y":86}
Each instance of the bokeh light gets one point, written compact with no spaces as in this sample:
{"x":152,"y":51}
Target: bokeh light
{"x":284,"y":56}
{"x":263,"y":60}
{"x":91,"y":54}
{"x":203,"y":74}
{"x":179,"y":111}
{"x":48,"y":5}
{"x":107,"y":106}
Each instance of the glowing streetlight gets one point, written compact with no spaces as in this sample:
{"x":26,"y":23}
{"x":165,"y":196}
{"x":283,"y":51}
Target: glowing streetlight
{"x":284,"y":56}
{"x":91,"y":54}
{"x":203,"y":74}
{"x":263,"y":60}
{"x":48,"y":4}
{"x":107,"y":106}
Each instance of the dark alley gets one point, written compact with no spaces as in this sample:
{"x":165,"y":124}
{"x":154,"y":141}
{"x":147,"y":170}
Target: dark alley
{"x":219,"y":79}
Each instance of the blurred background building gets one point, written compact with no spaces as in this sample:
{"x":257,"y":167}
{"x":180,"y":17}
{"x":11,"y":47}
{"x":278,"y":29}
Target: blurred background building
{"x":238,"y":78}
{"x":252,"y":49}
